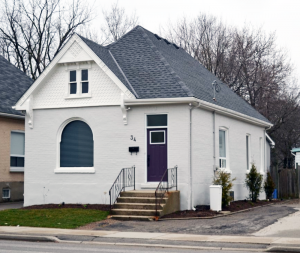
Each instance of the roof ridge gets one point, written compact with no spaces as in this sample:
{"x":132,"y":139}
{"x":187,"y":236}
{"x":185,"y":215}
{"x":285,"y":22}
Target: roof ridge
{"x":185,"y":88}
{"x":122,"y":37}
{"x":82,"y":37}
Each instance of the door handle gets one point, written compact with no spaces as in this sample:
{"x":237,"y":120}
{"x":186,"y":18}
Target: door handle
{"x":148,"y":160}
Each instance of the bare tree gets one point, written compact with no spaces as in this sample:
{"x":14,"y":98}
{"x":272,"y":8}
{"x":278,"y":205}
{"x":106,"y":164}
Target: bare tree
{"x":251,"y":64}
{"x":117,"y":23}
{"x":33,"y":31}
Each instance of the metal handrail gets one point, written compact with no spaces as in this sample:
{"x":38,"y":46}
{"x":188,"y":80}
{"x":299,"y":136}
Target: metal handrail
{"x":165,"y":186}
{"x":126,"y":178}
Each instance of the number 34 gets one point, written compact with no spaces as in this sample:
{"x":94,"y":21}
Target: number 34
{"x":132,"y":138}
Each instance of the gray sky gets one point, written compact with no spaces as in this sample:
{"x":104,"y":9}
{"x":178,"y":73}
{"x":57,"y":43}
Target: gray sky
{"x":282,"y":16}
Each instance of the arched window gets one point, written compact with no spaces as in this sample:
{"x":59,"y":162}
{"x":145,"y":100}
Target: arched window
{"x":77,"y":145}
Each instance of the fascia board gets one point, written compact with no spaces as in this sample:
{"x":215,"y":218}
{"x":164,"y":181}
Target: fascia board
{"x":203,"y":104}
{"x":99,"y":62}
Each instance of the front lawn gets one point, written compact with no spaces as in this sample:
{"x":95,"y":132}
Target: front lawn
{"x":51,"y":218}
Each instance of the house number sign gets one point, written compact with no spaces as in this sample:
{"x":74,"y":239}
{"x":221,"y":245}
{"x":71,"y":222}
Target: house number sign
{"x":132,"y":138}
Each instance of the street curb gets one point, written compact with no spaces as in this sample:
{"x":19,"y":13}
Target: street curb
{"x":31,"y":238}
{"x":283,"y":249}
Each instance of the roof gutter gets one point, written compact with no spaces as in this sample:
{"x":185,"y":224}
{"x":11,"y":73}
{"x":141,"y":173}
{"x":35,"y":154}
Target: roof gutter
{"x":7,"y":115}
{"x":205,"y":105}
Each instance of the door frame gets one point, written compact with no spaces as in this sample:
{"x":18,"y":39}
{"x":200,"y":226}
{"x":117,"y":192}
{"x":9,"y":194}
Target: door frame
{"x":146,"y":143}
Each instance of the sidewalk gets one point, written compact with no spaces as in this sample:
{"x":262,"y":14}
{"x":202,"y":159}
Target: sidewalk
{"x":150,"y":239}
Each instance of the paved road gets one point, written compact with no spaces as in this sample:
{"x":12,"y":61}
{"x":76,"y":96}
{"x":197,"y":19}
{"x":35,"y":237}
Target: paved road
{"x":11,"y":205}
{"x":237,"y":224}
{"x":27,"y":247}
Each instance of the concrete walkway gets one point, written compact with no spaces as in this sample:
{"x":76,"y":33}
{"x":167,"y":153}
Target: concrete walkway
{"x":84,"y":236}
{"x":11,"y":205}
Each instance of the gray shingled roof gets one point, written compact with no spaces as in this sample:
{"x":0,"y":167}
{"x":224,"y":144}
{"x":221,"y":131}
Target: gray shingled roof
{"x":155,"y":68}
{"x":13,"y":84}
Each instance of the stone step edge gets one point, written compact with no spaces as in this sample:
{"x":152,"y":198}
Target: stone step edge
{"x":137,"y":204}
{"x":132,"y":217}
{"x":136,"y":210}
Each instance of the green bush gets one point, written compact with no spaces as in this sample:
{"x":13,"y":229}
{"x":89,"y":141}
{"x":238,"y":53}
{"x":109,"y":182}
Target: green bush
{"x":224,"y":179}
{"x":253,"y":182}
{"x":269,"y":186}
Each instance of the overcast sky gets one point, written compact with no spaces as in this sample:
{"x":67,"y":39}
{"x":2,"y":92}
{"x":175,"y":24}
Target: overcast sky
{"x":282,"y":16}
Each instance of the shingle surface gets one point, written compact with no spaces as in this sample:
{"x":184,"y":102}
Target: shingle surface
{"x":158,"y":69}
{"x":13,"y":84}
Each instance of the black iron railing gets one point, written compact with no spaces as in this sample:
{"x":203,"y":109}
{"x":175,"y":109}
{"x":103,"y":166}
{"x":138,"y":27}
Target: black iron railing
{"x":126,"y":178}
{"x":167,"y":182}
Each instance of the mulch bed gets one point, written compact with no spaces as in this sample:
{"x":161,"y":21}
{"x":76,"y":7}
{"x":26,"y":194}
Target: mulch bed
{"x":204,"y":211}
{"x":62,"y":206}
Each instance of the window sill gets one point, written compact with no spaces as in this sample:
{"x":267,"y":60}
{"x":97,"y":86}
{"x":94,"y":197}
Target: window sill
{"x":16,"y":169}
{"x":75,"y":170}
{"x":87,"y":95}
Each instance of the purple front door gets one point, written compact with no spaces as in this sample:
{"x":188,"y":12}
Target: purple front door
{"x":157,"y":154}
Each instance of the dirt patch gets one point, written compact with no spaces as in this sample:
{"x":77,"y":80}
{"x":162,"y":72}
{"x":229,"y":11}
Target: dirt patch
{"x":203,"y":211}
{"x":62,"y":206}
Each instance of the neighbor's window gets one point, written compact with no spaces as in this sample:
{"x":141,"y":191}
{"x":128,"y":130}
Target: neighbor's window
{"x":157,"y":120}
{"x":222,"y":148}
{"x":6,"y":193}
{"x":248,"y":151}
{"x":17,"y":149}
{"x":77,"y":145}
{"x":84,"y":81}
{"x":73,"y":84}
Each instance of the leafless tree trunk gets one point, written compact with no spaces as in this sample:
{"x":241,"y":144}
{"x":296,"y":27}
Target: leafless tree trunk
{"x":33,"y":31}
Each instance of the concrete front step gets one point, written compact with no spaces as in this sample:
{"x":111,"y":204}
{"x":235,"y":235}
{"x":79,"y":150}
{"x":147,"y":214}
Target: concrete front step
{"x":143,"y":194}
{"x":134,"y":212}
{"x":132,"y":217}
{"x":138,"y":206}
{"x":139,"y":200}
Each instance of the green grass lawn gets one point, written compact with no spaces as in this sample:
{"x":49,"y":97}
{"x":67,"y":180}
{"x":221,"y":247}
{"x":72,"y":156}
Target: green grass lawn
{"x":51,"y":218}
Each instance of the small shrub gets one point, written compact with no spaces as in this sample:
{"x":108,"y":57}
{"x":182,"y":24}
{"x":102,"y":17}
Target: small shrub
{"x":269,"y":186}
{"x":224,"y":179}
{"x":253,"y":182}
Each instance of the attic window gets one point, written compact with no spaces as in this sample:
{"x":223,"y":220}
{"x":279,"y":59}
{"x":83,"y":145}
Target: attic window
{"x":78,"y":84}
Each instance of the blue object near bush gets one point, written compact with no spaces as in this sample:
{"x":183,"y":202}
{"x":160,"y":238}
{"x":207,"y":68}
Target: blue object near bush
{"x":275,"y":194}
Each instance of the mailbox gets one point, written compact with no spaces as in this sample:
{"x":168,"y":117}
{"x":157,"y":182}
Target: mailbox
{"x":134,"y":150}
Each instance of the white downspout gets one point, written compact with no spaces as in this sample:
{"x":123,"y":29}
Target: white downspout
{"x":190,"y":204}
{"x":214,"y":140}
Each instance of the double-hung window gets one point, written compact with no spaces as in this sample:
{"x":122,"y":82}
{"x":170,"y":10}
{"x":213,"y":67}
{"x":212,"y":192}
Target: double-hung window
{"x":17,"y":151}
{"x":222,"y":149}
{"x":84,"y":81}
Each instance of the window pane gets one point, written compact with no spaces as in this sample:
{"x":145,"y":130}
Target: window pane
{"x":73,"y":76}
{"x":20,"y":161}
{"x":84,"y":75}
{"x":77,"y":145}
{"x":157,"y":120}
{"x":247,"y":151}
{"x":222,"y":144}
{"x":5,"y":193}
{"x":157,"y":137}
{"x":17,"y":143}
{"x":85,"y":87}
{"x":73,"y":88}
{"x":13,"y":161}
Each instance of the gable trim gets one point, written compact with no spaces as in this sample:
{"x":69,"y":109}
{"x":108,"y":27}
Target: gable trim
{"x":20,"y":104}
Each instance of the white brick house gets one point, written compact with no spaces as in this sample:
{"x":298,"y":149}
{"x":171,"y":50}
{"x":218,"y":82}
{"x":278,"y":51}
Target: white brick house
{"x":141,"y":91}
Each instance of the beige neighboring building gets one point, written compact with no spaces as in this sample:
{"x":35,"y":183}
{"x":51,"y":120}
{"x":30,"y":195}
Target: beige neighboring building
{"x":13,"y":83}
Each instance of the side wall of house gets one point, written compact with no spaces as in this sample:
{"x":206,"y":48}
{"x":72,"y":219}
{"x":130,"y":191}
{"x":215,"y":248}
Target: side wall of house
{"x":111,"y":142}
{"x":203,"y":154}
{"x":12,"y":180}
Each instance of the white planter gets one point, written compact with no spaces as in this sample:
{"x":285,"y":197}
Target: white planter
{"x":215,"y":197}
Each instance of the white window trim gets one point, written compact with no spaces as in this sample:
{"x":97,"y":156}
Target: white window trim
{"x":8,"y":193}
{"x":12,"y":168}
{"x":71,"y":170}
{"x":262,"y":162}
{"x":146,"y":145}
{"x":79,"y":93}
{"x":157,"y":143}
{"x":249,"y":154}
{"x":227,"y":169}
